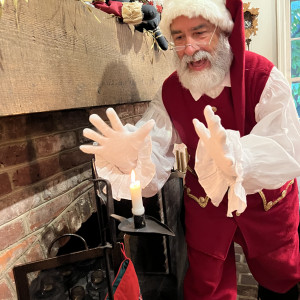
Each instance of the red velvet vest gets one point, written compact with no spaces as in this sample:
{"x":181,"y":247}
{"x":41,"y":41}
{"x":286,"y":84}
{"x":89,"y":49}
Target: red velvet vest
{"x":208,"y":229}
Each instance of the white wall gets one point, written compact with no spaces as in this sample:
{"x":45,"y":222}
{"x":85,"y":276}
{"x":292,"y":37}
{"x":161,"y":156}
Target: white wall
{"x":265,"y":41}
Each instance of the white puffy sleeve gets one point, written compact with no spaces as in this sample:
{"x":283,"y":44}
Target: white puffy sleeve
{"x":271,"y":152}
{"x":163,"y":138}
{"x":155,"y":158}
{"x":266,"y":158}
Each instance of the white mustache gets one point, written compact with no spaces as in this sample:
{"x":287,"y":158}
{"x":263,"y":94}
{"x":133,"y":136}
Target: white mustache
{"x":199,"y":55}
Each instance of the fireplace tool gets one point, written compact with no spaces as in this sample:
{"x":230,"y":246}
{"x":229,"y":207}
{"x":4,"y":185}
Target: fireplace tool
{"x":82,"y":275}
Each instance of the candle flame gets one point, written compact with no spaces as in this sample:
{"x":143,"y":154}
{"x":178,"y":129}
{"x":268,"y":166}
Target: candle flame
{"x":132,"y":176}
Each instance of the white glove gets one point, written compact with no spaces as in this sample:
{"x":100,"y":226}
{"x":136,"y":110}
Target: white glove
{"x":116,"y":144}
{"x":218,"y":162}
{"x":215,"y":139}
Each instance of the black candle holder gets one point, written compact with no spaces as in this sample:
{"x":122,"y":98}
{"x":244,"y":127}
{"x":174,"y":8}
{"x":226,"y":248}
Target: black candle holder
{"x":137,"y":225}
{"x":151,"y":226}
{"x":139,"y":221}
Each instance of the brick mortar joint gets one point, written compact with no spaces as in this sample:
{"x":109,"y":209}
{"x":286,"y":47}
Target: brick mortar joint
{"x":11,"y":286}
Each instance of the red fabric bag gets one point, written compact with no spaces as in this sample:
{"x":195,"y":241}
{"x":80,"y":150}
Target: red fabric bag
{"x":126,"y":285}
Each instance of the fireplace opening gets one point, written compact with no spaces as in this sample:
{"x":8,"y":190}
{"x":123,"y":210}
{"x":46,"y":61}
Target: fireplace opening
{"x":149,"y":254}
{"x":159,"y":260}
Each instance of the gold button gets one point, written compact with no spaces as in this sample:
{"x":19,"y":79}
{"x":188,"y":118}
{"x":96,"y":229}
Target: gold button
{"x":214,"y":109}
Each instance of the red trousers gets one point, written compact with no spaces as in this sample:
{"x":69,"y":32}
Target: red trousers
{"x":269,"y":239}
{"x":210,"y":278}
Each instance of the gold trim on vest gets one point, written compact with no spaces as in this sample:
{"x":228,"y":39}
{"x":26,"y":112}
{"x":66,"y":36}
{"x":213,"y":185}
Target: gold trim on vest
{"x":270,"y":204}
{"x":202,"y":201}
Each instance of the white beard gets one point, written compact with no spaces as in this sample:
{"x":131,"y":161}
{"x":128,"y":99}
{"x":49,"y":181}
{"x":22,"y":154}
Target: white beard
{"x":207,"y":79}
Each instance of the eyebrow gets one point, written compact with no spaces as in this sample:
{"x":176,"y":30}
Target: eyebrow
{"x":192,"y":29}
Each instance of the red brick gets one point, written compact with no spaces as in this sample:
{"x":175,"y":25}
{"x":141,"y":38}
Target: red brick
{"x":74,"y":220}
{"x":35,"y":172}
{"x":51,"y":144}
{"x":247,"y":279}
{"x":12,"y":127}
{"x":135,"y":120}
{"x":61,"y":227}
{"x":242,"y":268}
{"x":48,"y":236}
{"x":15,"y":154}
{"x":100,"y":111}
{"x":71,"y":159}
{"x":5,"y":186}
{"x":18,"y":203}
{"x":44,"y":214}
{"x":81,"y":139}
{"x":8,"y":257}
{"x":5,"y":292}
{"x":10,"y":274}
{"x":124,"y":111}
{"x":61,"y":184}
{"x":11,"y":233}
{"x":84,"y":207}
{"x":92,"y":199}
{"x":71,"y":119}
{"x":34,"y":253}
{"x":140,"y":108}
{"x":40,"y":124}
{"x":80,"y":189}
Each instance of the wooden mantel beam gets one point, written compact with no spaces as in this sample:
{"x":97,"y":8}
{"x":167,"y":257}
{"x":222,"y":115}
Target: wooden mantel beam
{"x":55,"y":55}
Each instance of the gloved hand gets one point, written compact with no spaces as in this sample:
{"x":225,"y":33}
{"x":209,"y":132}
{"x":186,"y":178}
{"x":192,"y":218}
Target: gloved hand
{"x":215,"y":140}
{"x":116,"y":144}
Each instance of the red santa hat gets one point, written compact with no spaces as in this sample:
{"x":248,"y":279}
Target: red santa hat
{"x":212,"y":10}
{"x":228,"y":16}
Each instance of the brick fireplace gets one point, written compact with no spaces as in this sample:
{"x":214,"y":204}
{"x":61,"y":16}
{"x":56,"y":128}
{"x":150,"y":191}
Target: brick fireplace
{"x":44,"y":192}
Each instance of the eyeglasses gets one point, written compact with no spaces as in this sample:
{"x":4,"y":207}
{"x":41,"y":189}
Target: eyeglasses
{"x":197,"y":45}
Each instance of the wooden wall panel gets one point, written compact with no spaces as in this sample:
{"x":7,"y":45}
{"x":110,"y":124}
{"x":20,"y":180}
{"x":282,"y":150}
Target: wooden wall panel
{"x":55,"y":55}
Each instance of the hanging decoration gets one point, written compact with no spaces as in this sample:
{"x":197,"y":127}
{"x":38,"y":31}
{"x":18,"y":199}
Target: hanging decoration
{"x":143,"y":15}
{"x":250,"y":21}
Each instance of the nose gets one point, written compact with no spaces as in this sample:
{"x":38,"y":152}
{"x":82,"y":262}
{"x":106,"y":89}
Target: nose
{"x":190,"y":49}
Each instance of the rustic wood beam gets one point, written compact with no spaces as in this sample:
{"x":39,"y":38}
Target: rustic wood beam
{"x":55,"y":55}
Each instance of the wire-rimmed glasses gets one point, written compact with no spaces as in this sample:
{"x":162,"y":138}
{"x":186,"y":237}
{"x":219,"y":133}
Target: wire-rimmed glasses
{"x":196,"y":45}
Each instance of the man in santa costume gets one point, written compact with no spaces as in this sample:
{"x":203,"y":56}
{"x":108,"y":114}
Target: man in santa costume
{"x":235,"y":113}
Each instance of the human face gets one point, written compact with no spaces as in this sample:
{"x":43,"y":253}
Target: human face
{"x":209,"y":78}
{"x":195,"y":34}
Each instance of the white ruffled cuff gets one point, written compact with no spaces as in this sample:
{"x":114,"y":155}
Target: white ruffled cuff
{"x":120,"y":182}
{"x":216,"y":183}
{"x":236,"y":194}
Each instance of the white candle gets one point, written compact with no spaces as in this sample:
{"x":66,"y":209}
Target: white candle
{"x":136,"y":196}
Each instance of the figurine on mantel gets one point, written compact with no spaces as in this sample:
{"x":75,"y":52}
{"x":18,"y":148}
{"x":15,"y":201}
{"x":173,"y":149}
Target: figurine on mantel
{"x":142,"y":16}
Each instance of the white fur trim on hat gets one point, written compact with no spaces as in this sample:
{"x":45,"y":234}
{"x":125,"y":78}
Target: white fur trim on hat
{"x":214,"y":11}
